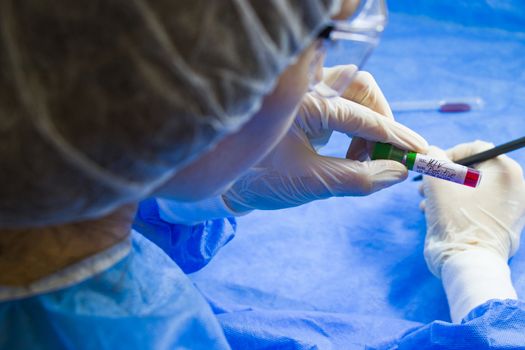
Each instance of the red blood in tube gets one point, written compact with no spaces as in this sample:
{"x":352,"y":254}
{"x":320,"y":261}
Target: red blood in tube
{"x":472,"y":178}
{"x":454,"y":107}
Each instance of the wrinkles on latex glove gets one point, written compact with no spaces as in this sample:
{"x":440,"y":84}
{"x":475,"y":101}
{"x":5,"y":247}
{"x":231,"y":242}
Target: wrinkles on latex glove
{"x":268,"y":188}
{"x":294,"y":173}
{"x":363,"y":90}
{"x":319,"y":117}
{"x":461,"y":218}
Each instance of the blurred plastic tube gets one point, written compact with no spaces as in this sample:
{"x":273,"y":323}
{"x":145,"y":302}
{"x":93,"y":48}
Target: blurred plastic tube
{"x":452,"y":105}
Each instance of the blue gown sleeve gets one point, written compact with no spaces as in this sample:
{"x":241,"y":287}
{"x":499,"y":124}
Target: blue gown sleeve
{"x":190,"y":246}
{"x":496,"y":324}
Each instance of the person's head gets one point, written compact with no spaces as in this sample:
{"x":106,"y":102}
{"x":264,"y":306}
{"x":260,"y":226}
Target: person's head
{"x":103,"y":103}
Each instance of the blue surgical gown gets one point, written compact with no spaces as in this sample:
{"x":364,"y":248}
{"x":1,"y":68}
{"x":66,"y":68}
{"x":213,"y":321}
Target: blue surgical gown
{"x":497,"y":324}
{"x":144,"y":301}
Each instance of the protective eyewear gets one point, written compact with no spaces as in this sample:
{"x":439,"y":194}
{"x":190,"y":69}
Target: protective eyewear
{"x":351,"y":42}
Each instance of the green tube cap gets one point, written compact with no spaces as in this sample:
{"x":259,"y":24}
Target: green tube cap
{"x":387,"y":151}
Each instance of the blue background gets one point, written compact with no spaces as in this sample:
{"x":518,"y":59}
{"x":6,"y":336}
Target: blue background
{"x":361,"y":259}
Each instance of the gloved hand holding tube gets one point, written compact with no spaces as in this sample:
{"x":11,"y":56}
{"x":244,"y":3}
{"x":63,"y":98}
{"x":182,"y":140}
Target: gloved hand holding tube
{"x":294,"y":173}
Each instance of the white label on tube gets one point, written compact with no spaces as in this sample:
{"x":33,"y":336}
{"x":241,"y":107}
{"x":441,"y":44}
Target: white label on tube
{"x":440,"y":168}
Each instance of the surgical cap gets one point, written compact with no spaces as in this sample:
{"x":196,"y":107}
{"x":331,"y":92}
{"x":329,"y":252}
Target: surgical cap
{"x":102,"y":101}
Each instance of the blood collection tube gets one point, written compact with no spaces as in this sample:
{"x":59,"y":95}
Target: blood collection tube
{"x":440,"y":168}
{"x":453,"y":105}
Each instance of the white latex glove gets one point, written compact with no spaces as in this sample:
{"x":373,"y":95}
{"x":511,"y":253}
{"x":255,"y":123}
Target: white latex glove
{"x":294,"y":173}
{"x":364,"y":91}
{"x":472,"y":232}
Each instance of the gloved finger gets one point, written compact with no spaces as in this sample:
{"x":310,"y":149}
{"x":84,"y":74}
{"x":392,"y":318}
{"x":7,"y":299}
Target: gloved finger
{"x":502,"y":162}
{"x":365,"y":91}
{"x":357,"y":120}
{"x":363,"y":88}
{"x":359,"y":149}
{"x":467,"y":149}
{"x":436,"y":152}
{"x":345,"y":177}
{"x":339,"y":77}
{"x":421,"y":190}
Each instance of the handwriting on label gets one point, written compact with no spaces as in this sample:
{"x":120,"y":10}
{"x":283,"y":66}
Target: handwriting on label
{"x":434,"y":167}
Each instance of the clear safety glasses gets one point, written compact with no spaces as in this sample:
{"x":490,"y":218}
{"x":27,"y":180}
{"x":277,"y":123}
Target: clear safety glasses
{"x":351,"y":42}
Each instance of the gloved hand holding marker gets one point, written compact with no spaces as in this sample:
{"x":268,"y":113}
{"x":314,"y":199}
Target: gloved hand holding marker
{"x":440,"y":168}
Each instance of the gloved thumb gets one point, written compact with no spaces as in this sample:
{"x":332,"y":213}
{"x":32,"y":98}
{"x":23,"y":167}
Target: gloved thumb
{"x":360,"y":87}
{"x":464,"y":150}
{"x":436,"y":152}
{"x":345,"y":177}
{"x":338,"y":78}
